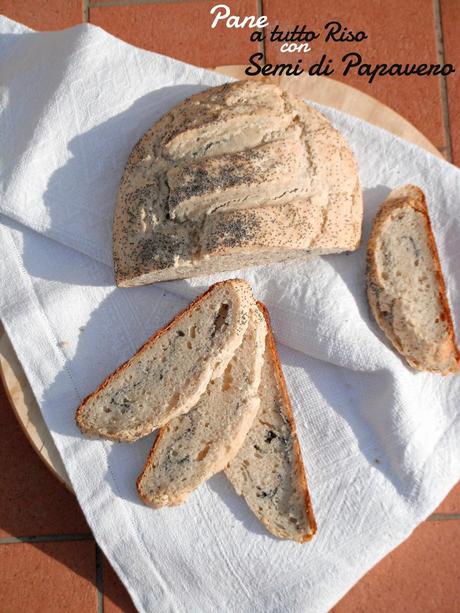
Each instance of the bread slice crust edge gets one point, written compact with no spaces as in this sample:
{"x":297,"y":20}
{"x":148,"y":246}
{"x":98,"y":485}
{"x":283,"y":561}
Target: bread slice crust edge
{"x":120,"y":369}
{"x":271,"y":346}
{"x":298,"y":460}
{"x":399,"y":198}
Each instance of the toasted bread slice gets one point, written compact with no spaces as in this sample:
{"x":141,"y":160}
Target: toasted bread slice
{"x":169,"y":373}
{"x":405,"y":286}
{"x":193,"y":447}
{"x":268,"y":470}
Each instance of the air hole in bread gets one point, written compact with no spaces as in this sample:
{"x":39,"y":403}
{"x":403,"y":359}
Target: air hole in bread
{"x":180,"y":333}
{"x":107,"y":410}
{"x":203,"y":453}
{"x":227,"y":378}
{"x":220,"y":320}
{"x":174,"y":400}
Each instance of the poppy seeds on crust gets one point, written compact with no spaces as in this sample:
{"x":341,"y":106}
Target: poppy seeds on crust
{"x":233,"y":233}
{"x":194,"y":181}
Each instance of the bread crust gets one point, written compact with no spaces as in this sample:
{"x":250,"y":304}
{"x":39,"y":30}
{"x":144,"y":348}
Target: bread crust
{"x":151,"y":244}
{"x":299,"y":465}
{"x":400,"y":198}
{"x":144,"y":347}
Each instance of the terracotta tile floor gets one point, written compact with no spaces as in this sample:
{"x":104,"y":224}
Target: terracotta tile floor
{"x":48,"y":558}
{"x":418,"y":99}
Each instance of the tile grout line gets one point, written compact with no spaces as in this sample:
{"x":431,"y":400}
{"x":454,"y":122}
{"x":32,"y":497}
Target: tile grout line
{"x":260,"y":12}
{"x":131,"y":2}
{"x":442,"y":79}
{"x":47,"y":538}
{"x":85,"y":8}
{"x":444,"y":517}
{"x":99,"y":579}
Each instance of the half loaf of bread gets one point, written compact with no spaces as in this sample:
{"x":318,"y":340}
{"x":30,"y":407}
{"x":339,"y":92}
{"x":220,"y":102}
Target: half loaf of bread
{"x":268,"y":470}
{"x":238,"y":175}
{"x":193,"y":447}
{"x":405,"y":286}
{"x":170,"y":372}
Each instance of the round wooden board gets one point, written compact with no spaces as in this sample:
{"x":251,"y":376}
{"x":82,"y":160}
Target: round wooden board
{"x":318,"y":89}
{"x":26,"y":409}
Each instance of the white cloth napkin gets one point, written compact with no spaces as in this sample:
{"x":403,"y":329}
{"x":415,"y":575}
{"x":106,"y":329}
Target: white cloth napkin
{"x":380,"y":441}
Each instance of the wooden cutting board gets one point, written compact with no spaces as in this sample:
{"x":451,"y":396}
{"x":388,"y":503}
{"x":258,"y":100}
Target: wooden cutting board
{"x":318,"y":89}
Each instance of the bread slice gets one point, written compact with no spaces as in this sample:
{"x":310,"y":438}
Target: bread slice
{"x":193,"y":447}
{"x":405,"y":286}
{"x":168,"y":374}
{"x":239,"y":175}
{"x":268,"y":470}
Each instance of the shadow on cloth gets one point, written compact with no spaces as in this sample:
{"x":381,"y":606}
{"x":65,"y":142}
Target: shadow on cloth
{"x":74,"y":190}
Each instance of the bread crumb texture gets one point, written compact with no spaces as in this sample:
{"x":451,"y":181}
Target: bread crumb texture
{"x":193,"y":447}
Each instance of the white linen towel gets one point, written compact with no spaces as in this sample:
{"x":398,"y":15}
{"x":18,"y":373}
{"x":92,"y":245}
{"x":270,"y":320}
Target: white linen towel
{"x":380,"y":442}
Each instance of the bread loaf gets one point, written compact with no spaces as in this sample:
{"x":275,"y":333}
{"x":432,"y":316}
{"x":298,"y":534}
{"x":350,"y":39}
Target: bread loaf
{"x":268,"y":470}
{"x":238,"y":175}
{"x":193,"y":447}
{"x":405,"y":286}
{"x":168,"y":374}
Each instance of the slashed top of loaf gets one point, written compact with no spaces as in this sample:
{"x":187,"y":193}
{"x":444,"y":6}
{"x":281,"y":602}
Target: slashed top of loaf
{"x":193,"y":447}
{"x":208,"y":166}
{"x":405,"y":284}
{"x":170,"y":372}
